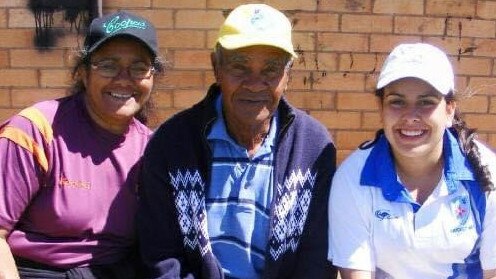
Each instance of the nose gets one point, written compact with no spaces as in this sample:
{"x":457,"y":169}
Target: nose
{"x":123,"y":74}
{"x":411,"y":114}
{"x":255,"y":82}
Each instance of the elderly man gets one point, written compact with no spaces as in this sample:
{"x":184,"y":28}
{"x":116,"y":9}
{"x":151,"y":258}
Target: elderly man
{"x":237,"y":185}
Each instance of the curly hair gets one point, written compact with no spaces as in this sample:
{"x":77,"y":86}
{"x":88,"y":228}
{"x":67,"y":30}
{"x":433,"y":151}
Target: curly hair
{"x":466,"y":139}
{"x":83,"y":58}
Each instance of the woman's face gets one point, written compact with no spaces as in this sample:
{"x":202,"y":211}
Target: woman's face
{"x":415,"y":116}
{"x":113,"y":101}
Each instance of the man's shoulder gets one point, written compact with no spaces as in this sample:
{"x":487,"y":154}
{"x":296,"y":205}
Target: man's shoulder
{"x":307,"y":124}
{"x":183,"y":128}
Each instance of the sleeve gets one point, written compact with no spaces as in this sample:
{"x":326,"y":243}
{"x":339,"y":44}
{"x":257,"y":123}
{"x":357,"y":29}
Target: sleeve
{"x":158,"y":229}
{"x":23,"y":162}
{"x":488,"y":238}
{"x":350,"y":235}
{"x":312,"y":261}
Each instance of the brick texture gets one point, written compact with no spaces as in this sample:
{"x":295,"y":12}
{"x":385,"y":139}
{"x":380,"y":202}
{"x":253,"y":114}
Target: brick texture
{"x":3,"y":18}
{"x":399,"y":7}
{"x":30,"y":58}
{"x":5,"y":98}
{"x":366,"y":23}
{"x":311,"y":21}
{"x":419,"y":25}
{"x":464,"y":27}
{"x":341,"y":44}
{"x":21,"y":18}
{"x":26,"y":97}
{"x":486,"y":9}
{"x":127,"y":4}
{"x":460,"y":8}
{"x":179,"y":4}
{"x":13,"y":3}
{"x":4,"y":58}
{"x":346,"y":6}
{"x":352,"y":139}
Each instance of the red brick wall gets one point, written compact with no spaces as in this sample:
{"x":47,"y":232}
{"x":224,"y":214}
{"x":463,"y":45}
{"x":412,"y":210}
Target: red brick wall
{"x":343,"y":44}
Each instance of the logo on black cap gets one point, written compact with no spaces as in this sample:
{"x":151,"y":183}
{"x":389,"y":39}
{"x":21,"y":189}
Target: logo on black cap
{"x":114,"y":25}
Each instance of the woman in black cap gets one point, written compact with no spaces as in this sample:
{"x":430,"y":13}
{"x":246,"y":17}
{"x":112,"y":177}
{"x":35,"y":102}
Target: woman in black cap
{"x":67,"y":187}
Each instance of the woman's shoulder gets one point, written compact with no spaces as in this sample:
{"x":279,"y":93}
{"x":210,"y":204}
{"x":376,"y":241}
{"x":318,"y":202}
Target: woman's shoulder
{"x":354,"y":163}
{"x":488,"y":156}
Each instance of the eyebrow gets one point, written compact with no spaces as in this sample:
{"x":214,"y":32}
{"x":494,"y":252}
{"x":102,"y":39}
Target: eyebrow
{"x":241,"y":58}
{"x":236,"y":58}
{"x":428,"y":94}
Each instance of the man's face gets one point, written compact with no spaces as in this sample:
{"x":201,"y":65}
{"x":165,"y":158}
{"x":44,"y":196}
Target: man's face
{"x":252,"y":80}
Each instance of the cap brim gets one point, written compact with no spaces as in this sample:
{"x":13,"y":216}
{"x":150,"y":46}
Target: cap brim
{"x":393,"y":76}
{"x":235,"y":42}
{"x":102,"y":41}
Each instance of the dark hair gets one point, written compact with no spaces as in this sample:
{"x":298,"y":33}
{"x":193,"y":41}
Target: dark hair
{"x":466,"y":139}
{"x":83,"y":58}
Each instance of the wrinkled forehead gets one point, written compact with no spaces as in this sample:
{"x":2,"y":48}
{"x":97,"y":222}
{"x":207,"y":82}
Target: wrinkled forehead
{"x":257,"y":54}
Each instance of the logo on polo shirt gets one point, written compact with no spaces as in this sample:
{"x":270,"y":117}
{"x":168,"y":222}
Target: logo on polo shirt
{"x":64,"y":182}
{"x":382,"y":214}
{"x":460,"y":207}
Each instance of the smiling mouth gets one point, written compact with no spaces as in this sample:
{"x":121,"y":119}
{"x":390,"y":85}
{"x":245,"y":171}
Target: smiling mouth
{"x":122,"y":95}
{"x":411,"y":133}
{"x":254,"y":101}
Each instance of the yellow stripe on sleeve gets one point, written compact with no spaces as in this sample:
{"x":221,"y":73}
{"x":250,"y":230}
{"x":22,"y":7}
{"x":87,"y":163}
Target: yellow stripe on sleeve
{"x":22,"y":139}
{"x":40,"y":121}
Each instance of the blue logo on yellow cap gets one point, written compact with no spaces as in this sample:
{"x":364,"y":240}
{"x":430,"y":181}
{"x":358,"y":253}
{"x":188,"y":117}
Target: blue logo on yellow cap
{"x":258,"y":20}
{"x":115,"y":25}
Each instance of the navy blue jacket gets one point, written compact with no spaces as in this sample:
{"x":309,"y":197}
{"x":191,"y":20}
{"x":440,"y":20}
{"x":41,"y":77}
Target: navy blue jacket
{"x":172,"y":225}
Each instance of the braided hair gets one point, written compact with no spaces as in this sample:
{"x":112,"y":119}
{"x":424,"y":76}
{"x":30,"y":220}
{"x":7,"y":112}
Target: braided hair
{"x":466,"y":140}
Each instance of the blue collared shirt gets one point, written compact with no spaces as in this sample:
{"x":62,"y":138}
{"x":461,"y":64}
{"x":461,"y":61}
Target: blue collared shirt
{"x":238,"y":200}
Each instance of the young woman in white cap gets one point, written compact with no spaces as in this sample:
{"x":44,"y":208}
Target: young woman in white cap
{"x":67,"y":186}
{"x":418,"y":201}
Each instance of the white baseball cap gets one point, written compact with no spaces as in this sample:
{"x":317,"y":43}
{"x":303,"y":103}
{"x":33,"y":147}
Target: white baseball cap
{"x":419,"y":60}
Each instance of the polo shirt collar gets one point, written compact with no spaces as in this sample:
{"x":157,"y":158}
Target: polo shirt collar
{"x":379,"y":169}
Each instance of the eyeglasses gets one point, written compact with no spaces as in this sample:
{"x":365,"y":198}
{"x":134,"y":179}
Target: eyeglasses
{"x":111,"y":69}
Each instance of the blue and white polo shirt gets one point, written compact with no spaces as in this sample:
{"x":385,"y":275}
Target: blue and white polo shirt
{"x":376,"y":226}
{"x":238,"y":200}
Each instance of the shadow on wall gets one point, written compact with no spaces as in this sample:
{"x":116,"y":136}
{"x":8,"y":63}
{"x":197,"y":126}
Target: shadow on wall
{"x":78,"y":13}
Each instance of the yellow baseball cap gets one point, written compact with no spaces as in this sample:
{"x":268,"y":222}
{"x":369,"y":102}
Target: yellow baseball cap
{"x":256,"y":24}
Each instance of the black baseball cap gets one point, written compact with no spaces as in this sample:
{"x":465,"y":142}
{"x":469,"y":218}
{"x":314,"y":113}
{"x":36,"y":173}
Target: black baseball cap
{"x":121,"y":23}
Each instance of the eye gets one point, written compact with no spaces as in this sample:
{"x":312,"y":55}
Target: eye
{"x":106,"y":65}
{"x":396,"y":102}
{"x":272,"y":72}
{"x":427,"y":102}
{"x":237,"y":70}
{"x":140,"y":67}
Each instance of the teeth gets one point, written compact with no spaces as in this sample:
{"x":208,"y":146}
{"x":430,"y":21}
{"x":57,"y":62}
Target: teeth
{"x":411,"y":133}
{"x":121,"y":95}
